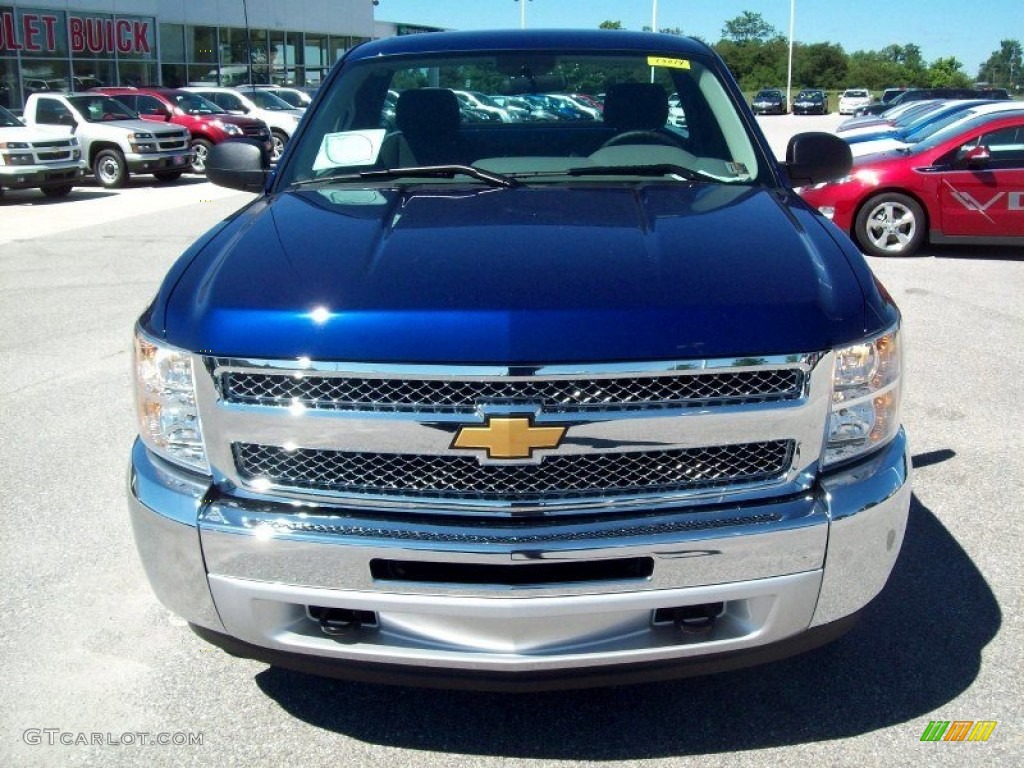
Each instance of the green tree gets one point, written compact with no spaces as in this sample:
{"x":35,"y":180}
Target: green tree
{"x":748,"y":27}
{"x":1004,"y":67}
{"x":947,"y":73}
{"x":821,"y":65}
{"x":608,"y":24}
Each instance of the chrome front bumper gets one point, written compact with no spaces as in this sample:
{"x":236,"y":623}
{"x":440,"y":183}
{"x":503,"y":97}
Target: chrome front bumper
{"x":250,"y":571}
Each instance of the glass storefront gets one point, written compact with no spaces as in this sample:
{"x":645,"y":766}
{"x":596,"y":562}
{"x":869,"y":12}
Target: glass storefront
{"x":42,"y":49}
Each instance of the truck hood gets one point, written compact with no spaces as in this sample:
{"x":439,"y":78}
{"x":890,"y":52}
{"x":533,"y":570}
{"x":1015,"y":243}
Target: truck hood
{"x":516,"y":276}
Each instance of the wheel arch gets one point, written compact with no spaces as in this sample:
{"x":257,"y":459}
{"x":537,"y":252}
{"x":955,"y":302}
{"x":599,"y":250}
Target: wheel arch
{"x":883,"y":190}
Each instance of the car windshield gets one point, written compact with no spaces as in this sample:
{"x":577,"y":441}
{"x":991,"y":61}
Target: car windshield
{"x":957,"y":119}
{"x":966,"y":122}
{"x":194,"y":104}
{"x":7,"y":120}
{"x":100,"y":109}
{"x":358,"y":129}
{"x":768,"y":95}
{"x":856,"y":94}
{"x":809,"y":95}
{"x":267,"y":100}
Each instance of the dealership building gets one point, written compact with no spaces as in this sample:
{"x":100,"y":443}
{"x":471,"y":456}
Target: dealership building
{"x":77,"y":44}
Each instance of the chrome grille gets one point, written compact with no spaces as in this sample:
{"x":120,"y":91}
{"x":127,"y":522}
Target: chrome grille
{"x":556,"y":395}
{"x":560,"y":476}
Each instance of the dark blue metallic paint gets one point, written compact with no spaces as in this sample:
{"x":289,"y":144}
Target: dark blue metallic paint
{"x":520,"y":276}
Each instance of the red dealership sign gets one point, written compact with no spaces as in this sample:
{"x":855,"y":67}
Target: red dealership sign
{"x":37,"y":32}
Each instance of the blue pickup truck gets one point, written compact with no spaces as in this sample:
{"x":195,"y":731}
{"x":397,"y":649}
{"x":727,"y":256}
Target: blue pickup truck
{"x":526,"y":404}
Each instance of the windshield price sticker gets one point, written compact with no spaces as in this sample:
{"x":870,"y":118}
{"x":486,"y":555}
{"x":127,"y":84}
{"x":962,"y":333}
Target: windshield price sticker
{"x":662,"y":61}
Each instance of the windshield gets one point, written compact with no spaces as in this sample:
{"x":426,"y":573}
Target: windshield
{"x":361,"y":127}
{"x":810,"y":95}
{"x":932,"y":129}
{"x":100,"y":109}
{"x":194,"y":104}
{"x":856,"y":95}
{"x":768,"y":95}
{"x":7,"y":120}
{"x":267,"y":100}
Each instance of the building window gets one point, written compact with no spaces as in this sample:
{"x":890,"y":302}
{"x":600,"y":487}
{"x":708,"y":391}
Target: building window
{"x":172,"y":42}
{"x":201,"y":44}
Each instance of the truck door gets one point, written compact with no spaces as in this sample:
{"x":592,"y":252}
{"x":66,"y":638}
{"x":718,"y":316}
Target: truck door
{"x":985,"y":197}
{"x":52,"y":112}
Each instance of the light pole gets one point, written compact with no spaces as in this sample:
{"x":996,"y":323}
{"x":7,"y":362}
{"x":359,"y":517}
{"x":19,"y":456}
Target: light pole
{"x":522,"y":13}
{"x":654,"y":15}
{"x":789,"y":74}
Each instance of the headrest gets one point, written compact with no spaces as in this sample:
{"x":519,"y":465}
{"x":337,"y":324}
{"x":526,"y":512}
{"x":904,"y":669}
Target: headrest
{"x":636,"y":106}
{"x":427,"y":111}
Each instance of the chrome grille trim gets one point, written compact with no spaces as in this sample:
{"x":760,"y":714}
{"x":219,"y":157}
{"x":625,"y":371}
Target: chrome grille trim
{"x":661,"y":426}
{"x":559,"y":476}
{"x":554,"y":395}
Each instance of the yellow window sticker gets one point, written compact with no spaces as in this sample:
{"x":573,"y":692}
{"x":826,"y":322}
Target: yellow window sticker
{"x":662,"y":61}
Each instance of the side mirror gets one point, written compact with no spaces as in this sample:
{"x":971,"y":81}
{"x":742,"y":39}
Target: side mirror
{"x":977,"y":157}
{"x":239,"y":164}
{"x":815,"y":157}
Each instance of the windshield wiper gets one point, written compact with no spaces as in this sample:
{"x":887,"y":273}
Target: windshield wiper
{"x":418,"y":172}
{"x":654,"y":169}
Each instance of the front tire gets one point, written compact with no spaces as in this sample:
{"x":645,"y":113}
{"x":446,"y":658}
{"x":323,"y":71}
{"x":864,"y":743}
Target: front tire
{"x":890,"y":224}
{"x":110,"y":169}
{"x":278,"y":139}
{"x":200,"y":149}
{"x":58,"y":190}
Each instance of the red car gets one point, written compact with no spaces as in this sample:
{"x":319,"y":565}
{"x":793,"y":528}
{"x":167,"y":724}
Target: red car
{"x":208,"y":123}
{"x":965,"y":186}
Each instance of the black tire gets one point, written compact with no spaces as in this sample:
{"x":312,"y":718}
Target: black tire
{"x":58,"y":190}
{"x":279,"y":139}
{"x":167,"y":175}
{"x":110,"y":169}
{"x":200,"y":149}
{"x":890,"y":224}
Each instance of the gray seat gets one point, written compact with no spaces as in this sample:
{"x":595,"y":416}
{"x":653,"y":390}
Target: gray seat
{"x":428,"y":122}
{"x":636,"y":109}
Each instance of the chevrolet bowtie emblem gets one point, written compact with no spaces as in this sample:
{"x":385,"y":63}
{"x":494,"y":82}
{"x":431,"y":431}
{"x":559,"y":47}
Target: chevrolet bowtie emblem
{"x":509,"y":438}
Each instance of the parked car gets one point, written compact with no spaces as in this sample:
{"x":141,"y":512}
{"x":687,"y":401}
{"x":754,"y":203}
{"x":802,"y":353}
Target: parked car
{"x":523,"y":406}
{"x":480,"y":102}
{"x":299,"y":98}
{"x":258,"y":103}
{"x":206,"y":123}
{"x":115,"y":141}
{"x":921,"y":94}
{"x":888,"y":117}
{"x":972,"y":192}
{"x":852,"y":98}
{"x":35,"y":158}
{"x":811,"y":101}
{"x":769,"y":101}
{"x":928,"y":125}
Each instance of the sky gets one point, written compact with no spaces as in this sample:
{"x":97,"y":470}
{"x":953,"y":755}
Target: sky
{"x":969,"y":31}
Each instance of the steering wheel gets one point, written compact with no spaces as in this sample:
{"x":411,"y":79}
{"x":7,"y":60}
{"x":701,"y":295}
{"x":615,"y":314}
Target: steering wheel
{"x":641,"y":137}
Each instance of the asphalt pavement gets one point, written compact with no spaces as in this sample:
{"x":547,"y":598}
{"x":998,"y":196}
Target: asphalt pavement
{"x":93,"y":670}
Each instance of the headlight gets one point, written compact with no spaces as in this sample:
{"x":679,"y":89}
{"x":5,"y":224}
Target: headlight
{"x":865,"y":397}
{"x":165,"y":401}
{"x":141,"y":137}
{"x":229,"y":128}
{"x":9,"y":155}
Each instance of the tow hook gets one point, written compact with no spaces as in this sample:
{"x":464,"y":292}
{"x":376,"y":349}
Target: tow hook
{"x":337,"y":621}
{"x":696,"y":619}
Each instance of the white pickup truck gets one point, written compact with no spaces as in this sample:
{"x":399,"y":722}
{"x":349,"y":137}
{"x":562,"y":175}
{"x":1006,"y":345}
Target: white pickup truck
{"x":115,"y":142}
{"x":35,"y":159}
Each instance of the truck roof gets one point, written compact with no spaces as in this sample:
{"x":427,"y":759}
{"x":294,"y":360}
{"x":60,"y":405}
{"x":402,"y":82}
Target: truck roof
{"x":550,"y":40}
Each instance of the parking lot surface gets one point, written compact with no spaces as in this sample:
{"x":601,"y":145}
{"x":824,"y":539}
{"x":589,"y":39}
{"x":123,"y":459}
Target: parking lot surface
{"x":94,"y":670}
